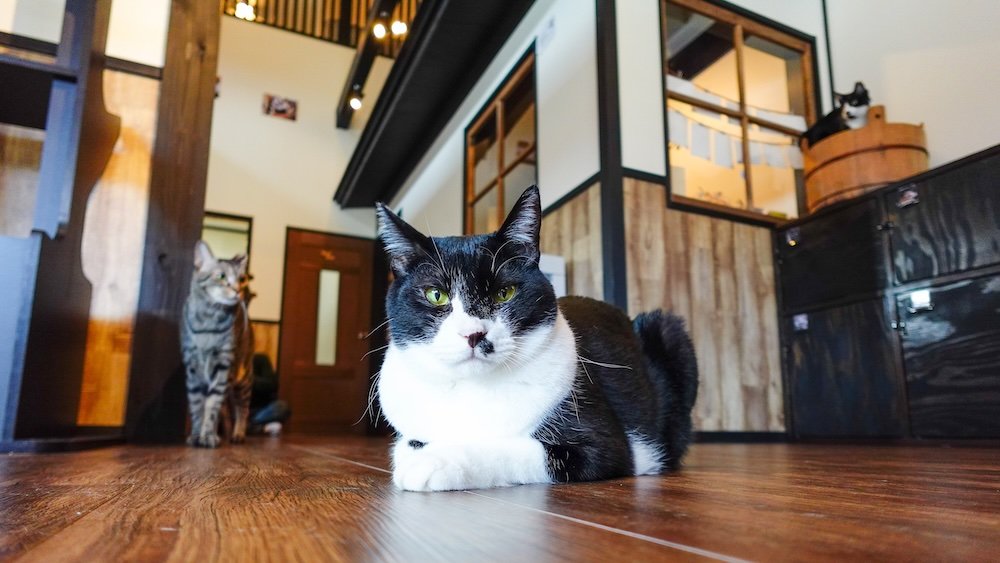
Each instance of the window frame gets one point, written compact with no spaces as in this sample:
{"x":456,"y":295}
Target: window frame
{"x":523,"y":69}
{"x":232,"y":217}
{"x":743,"y":22}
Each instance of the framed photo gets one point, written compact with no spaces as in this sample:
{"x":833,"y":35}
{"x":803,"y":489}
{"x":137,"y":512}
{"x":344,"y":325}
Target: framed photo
{"x":280,"y":107}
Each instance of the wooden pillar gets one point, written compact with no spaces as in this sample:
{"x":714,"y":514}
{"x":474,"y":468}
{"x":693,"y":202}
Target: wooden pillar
{"x":157,"y":404}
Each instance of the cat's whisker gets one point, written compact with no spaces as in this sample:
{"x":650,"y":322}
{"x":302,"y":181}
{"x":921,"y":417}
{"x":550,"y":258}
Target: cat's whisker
{"x":370,"y":352}
{"x":497,"y":253}
{"x":385,"y":322}
{"x":430,"y":235}
{"x":585,"y":371}
{"x":602,"y":364}
{"x":508,"y":260}
{"x":372,"y":391}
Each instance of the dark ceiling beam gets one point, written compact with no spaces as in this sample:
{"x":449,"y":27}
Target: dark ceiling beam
{"x":363,"y":59}
{"x":447,"y":49}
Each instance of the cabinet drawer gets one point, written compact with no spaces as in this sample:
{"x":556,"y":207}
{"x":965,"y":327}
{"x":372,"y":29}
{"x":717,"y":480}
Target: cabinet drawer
{"x":947,"y":223}
{"x":833,"y":256}
{"x":951,"y":351}
{"x":843,"y":373}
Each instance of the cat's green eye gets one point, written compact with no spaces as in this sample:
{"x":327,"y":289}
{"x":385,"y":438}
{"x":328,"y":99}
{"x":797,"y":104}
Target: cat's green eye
{"x":221,"y":276}
{"x":504,"y":294}
{"x":436,"y":296}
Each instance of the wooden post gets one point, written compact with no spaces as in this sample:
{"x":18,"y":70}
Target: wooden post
{"x":157,"y":404}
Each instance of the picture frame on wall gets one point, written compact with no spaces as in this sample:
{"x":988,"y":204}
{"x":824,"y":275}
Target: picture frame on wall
{"x":279,"y":106}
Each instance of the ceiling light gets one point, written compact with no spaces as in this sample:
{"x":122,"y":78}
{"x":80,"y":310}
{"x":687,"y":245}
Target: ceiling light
{"x":398,"y":27}
{"x":355,"y":102}
{"x":245,"y":11}
{"x":378,"y":30}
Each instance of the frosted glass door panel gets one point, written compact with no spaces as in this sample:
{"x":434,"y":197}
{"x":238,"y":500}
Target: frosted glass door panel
{"x":326,"y":317}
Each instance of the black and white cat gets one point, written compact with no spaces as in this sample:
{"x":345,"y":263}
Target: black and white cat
{"x":851,"y":113}
{"x":489,"y":381}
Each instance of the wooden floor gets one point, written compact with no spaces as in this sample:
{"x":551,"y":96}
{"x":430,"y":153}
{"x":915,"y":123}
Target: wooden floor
{"x":331,"y":499}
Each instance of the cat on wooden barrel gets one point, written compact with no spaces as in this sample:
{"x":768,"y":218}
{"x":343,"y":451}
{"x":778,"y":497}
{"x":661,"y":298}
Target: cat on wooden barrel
{"x":217,"y":344}
{"x":851,"y":113}
{"x":490,"y":381}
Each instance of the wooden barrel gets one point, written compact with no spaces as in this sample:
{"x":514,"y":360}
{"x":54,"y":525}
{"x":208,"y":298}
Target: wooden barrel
{"x":850,"y":163}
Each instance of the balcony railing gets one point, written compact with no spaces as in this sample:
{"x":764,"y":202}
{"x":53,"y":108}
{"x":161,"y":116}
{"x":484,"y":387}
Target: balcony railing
{"x":337,"y":21}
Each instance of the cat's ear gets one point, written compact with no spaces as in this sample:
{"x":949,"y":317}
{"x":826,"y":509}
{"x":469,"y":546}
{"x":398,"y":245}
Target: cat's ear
{"x":241,"y":262}
{"x":402,"y":243}
{"x":203,"y":256}
{"x":524,"y":221}
{"x":859,"y":88}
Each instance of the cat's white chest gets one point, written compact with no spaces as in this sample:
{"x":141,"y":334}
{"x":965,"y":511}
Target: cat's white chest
{"x":432,"y":406}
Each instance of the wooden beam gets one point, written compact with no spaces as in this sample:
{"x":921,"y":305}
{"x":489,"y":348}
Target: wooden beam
{"x":364,"y":57}
{"x":157,"y":402}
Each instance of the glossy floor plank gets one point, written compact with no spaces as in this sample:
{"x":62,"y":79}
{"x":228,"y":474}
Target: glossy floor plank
{"x":308,"y":499}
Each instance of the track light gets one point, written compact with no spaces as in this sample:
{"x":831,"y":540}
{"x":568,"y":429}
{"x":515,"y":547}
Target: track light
{"x":398,"y":27}
{"x":378,"y":30}
{"x":355,"y":100}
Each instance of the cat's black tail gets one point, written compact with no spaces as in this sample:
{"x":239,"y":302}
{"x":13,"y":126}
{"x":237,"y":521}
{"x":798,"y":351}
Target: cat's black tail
{"x":673,"y":368}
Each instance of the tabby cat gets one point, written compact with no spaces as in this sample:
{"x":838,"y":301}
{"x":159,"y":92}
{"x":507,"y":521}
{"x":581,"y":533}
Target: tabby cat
{"x":217,"y":343}
{"x":490,"y":381}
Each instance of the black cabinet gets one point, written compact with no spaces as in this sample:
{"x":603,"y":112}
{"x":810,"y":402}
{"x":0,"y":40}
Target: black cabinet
{"x":891,"y":309}
{"x":946,"y":223}
{"x":836,"y":255}
{"x":842,"y":369}
{"x":951,"y":353}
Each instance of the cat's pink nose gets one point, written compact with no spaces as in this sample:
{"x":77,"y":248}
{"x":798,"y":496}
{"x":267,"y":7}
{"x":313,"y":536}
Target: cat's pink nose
{"x":475,"y":338}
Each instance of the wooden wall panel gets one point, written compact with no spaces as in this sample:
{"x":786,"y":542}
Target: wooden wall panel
{"x":20,"y":158}
{"x":573,"y":231}
{"x":113,"y":234}
{"x":265,"y":338}
{"x":718,"y":275}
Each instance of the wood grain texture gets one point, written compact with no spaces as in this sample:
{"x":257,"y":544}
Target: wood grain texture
{"x":952,"y":359}
{"x":156,"y":402}
{"x":113,"y":232}
{"x":20,"y":157}
{"x":719,"y":276}
{"x":953,"y":227}
{"x":843,"y":375}
{"x":330,"y":499}
{"x":266,"y":336}
{"x":835,"y":256}
{"x":573,"y":231}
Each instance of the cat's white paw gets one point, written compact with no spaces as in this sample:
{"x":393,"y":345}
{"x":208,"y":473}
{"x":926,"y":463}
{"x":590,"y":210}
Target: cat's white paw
{"x":207,"y":441}
{"x":429,"y":471}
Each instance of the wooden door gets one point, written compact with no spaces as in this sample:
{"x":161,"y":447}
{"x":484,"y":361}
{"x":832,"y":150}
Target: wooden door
{"x":325,"y":316}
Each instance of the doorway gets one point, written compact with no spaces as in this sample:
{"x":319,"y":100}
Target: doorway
{"x":325,"y":318}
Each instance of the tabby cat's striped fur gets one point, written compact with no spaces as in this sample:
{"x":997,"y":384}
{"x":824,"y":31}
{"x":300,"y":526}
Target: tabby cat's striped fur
{"x":217,"y":342}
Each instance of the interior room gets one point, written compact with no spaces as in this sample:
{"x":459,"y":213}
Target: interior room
{"x":233,"y":278}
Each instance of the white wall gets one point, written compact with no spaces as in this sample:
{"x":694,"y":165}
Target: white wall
{"x":568,"y":149}
{"x":283,"y":173}
{"x":928,"y":61}
{"x":639,"y":67}
{"x":137,"y":30}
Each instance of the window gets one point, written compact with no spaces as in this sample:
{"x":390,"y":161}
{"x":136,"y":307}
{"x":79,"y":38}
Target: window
{"x":227,"y":235}
{"x":739,"y":94}
{"x":500,"y":151}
